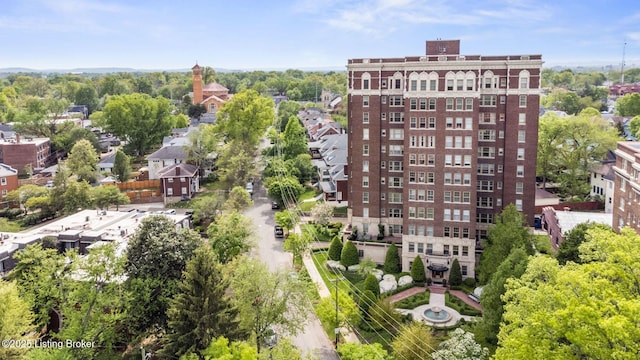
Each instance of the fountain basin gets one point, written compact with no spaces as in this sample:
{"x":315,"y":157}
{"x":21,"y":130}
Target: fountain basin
{"x":436,"y":315}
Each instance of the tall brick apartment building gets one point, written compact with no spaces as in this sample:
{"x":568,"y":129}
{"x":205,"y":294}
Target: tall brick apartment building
{"x":626,"y":188}
{"x":440,"y":144}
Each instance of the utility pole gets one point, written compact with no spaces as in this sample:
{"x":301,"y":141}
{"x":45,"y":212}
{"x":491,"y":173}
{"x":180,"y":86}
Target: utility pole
{"x":624,"y":48}
{"x":337,"y":329}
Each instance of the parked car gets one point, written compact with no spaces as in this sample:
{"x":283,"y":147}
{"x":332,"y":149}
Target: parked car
{"x":275,"y":205}
{"x":278,"y":231}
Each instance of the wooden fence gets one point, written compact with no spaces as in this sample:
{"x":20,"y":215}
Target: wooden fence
{"x":144,"y":184}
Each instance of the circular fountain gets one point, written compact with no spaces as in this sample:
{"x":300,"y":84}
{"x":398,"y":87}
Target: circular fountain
{"x":437,"y":315}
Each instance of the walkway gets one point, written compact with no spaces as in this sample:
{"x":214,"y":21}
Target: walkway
{"x":314,"y":274}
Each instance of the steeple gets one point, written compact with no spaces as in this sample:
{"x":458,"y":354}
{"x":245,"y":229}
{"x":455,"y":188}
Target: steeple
{"x":197,"y":84}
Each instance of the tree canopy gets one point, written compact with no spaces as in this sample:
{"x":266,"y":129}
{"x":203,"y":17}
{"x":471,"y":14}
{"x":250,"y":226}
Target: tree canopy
{"x":576,"y":311}
{"x":245,"y":118}
{"x":139,"y":119}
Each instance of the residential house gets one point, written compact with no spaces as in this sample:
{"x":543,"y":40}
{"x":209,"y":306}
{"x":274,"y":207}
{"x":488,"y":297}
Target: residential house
{"x":602,"y":181}
{"x":106,"y":163}
{"x":167,"y":155}
{"x":178,"y":181}
{"x":8,"y":180}
{"x":557,"y":223}
{"x":330,"y":159}
{"x":19,"y":152}
{"x":623,"y":89}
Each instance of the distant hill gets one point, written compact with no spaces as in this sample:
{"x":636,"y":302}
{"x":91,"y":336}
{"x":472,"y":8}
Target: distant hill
{"x":106,"y":70}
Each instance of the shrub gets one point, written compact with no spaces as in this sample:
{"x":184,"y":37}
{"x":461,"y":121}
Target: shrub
{"x":392,"y":260}
{"x":371,"y":284}
{"x":455,"y":275}
{"x":367,"y":300}
{"x":469,"y":282}
{"x":429,"y":281}
{"x":349,"y":255}
{"x":335,"y":249}
{"x":414,"y":301}
{"x":417,"y":270}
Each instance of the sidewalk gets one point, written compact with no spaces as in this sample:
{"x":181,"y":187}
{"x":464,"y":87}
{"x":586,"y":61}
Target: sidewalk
{"x":314,"y":274}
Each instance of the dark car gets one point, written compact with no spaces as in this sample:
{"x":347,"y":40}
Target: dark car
{"x":275,"y":205}
{"x":278,"y":231}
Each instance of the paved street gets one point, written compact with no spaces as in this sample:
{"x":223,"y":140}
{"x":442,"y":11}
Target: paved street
{"x":269,"y":249}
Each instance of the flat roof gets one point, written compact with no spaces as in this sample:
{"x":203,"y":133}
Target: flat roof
{"x":570,"y":219}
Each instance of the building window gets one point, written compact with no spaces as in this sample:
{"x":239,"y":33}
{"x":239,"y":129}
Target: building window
{"x":432,"y":104}
{"x":519,"y":204}
{"x":413,"y":104}
{"x":463,"y":270}
{"x":449,"y":84}
{"x":365,"y":150}
{"x":520,"y":153}
{"x":170,"y":180}
{"x":365,"y":181}
{"x":414,"y":85}
{"x":522,"y":135}
{"x":365,"y":118}
{"x":420,"y":248}
{"x":423,"y":104}
{"x":469,"y":84}
{"x":365,"y":166}
{"x":412,"y":247}
{"x":365,"y":84}
{"x":365,"y":101}
{"x":488,"y":100}
{"x":4,"y":193}
{"x":469,"y":104}
{"x":423,"y":85}
{"x":433,"y":85}
{"x":365,"y":197}
{"x":365,"y":214}
{"x":4,"y":181}
{"x":524,"y":83}
{"x":519,"y":187}
{"x":383,"y":99}
{"x":169,"y":191}
{"x":522,"y":100}
{"x":520,"y":171}
{"x":365,"y":134}
{"x":522,"y":119}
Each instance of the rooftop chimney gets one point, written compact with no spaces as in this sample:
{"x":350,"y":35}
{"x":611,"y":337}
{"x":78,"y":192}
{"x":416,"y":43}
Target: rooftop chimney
{"x":17,"y":138}
{"x":177,"y":170}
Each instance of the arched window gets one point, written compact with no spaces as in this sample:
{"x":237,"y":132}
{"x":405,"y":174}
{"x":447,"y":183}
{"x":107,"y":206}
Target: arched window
{"x":523,"y":82}
{"x":366,"y":81}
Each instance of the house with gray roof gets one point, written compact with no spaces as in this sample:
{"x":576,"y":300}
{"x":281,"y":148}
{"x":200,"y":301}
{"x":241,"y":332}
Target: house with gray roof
{"x":168,"y":155}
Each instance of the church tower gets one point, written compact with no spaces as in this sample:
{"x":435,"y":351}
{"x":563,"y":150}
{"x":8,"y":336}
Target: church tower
{"x":197,"y":84}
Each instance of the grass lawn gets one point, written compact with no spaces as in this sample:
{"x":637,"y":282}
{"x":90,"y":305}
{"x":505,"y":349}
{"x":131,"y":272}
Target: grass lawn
{"x":319,"y":259}
{"x":308,"y":194}
{"x":340,"y":210}
{"x":414,"y":301}
{"x":307,"y":206}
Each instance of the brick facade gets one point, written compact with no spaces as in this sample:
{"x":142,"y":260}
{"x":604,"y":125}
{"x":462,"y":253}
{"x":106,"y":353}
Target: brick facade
{"x":439,"y":145}
{"x":18,"y":153}
{"x":626,"y":188}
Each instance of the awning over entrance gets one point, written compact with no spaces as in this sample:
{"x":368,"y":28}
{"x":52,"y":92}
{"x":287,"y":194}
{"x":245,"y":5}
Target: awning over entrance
{"x":438,"y":267}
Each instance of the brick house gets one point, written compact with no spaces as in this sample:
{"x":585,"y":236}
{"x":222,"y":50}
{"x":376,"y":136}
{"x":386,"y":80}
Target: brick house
{"x":8,"y":180}
{"x":178,"y":181}
{"x":19,"y":152}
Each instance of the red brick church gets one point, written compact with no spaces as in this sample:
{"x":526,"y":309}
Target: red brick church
{"x":212,"y":95}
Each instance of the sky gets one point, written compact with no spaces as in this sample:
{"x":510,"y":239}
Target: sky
{"x":305,"y":34}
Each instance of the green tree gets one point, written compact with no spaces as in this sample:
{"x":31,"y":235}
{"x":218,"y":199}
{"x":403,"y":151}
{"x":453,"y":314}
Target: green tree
{"x":286,"y":110}
{"x":21,"y":195}
{"x":283,"y":350}
{"x":156,"y":256}
{"x":382,"y":315}
{"x":83,"y":161}
{"x":77,"y":196}
{"x":297,"y":245}
{"x":349,"y":255}
{"x":367,"y":299}
{"x":460,"y":346}
{"x":353,"y":351}
{"x":139,"y":120}
{"x":491,"y":299}
{"x":301,"y":167}
{"x":634,"y":127}
{"x":285,"y":190}
{"x":455,"y":274}
{"x":371,"y":283}
{"x":235,"y":165}
{"x":417,"y":270}
{"x":267,"y":300}
{"x":202,"y":143}
{"x":221,"y":348}
{"x":107,"y":195}
{"x":121,"y":166}
{"x":16,"y":320}
{"x":415,"y":341}
{"x":69,"y":139}
{"x":245,"y":118}
{"x":568,"y":249}
{"x":628,"y":105}
{"x":287,"y":219}
{"x":564,"y":100}
{"x":392,"y":260}
{"x":366,"y":267}
{"x":335,"y":248}
{"x":207,"y":208}
{"x":94,"y":309}
{"x":87,"y":95}
{"x":576,"y":311}
{"x":239,"y":199}
{"x":348,"y":313}
{"x":230,"y":236}
{"x":201,"y":311}
{"x":509,"y":231}
{"x":551,"y":135}
{"x":294,"y":141}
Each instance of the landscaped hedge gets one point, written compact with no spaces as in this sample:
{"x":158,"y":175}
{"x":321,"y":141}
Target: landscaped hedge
{"x":10,"y":214}
{"x":414,"y":301}
{"x":460,"y":306}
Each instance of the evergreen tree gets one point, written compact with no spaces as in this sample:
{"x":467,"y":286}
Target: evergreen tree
{"x":392,"y":260}
{"x":349,"y":255}
{"x":335,"y":249}
{"x":121,"y":166}
{"x":371,"y":283}
{"x":417,"y":270}
{"x":367,"y":300}
{"x":201,"y":312}
{"x":455,"y":275}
